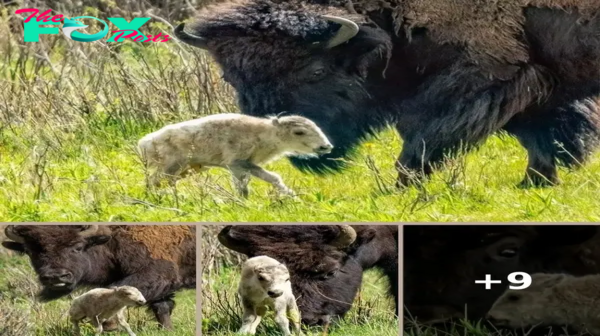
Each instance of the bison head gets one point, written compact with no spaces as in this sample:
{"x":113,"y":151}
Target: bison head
{"x":442,"y":263}
{"x":60,"y":255}
{"x":280,"y":56}
{"x":313,"y":251}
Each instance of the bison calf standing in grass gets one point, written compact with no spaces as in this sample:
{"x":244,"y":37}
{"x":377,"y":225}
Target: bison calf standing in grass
{"x":101,"y":304}
{"x":552,"y":299}
{"x":266,"y":283}
{"x":234,"y":141}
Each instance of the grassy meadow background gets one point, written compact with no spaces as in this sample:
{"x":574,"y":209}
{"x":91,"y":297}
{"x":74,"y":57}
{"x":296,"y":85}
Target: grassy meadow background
{"x":372,"y":313}
{"x":22,"y":315}
{"x":71,"y":114}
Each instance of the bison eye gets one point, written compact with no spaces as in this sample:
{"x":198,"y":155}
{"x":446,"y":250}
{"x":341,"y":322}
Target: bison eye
{"x":508,"y":253}
{"x":299,"y":133}
{"x":513,"y":298}
{"x":78,"y":249}
{"x":261,"y":278}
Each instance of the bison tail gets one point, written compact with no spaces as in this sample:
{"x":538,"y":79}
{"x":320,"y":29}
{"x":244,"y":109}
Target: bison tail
{"x":577,"y":132}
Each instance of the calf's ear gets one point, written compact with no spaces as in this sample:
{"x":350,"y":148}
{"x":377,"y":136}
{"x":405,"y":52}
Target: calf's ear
{"x":14,"y":246}
{"x":97,"y":240}
{"x":370,"y":48}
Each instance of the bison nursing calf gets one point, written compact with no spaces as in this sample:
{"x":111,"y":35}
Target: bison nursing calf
{"x":441,"y":264}
{"x":325,"y":262}
{"x":157,"y":260}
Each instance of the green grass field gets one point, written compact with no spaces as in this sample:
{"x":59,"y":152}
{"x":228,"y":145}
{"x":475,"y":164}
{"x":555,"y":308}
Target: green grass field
{"x":71,"y":114}
{"x":22,"y":315}
{"x":371,"y":315}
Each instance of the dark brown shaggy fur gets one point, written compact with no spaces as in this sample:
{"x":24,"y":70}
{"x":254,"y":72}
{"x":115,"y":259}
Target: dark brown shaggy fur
{"x":491,"y":33}
{"x":162,"y":241}
{"x":157,"y":260}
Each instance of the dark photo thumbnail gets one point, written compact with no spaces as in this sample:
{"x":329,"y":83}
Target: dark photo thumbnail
{"x":501,"y":280}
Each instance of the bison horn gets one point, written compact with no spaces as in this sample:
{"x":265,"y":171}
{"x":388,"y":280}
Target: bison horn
{"x":231,"y":243}
{"x":9,"y":231}
{"x":348,"y":30}
{"x":346,"y":237}
{"x":193,"y":40}
{"x":89,"y":231}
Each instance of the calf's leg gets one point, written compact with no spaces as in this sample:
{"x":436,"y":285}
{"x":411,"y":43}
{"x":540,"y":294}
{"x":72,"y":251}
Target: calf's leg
{"x":281,"y":317}
{"x":76,"y":331}
{"x":264,"y":175}
{"x":293,"y":314}
{"x":250,"y":319}
{"x":241,"y":178}
{"x":123,"y":322}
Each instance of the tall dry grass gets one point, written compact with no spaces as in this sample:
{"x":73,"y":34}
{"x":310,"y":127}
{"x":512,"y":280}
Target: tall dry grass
{"x":68,"y":84}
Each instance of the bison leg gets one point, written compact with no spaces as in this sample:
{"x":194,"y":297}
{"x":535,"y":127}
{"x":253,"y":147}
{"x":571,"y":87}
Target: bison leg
{"x":162,"y":311}
{"x":457,"y":110}
{"x":563,"y":131}
{"x":111,"y":324}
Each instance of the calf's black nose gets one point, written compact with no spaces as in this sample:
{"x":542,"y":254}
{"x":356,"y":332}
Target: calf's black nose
{"x":274,"y":294}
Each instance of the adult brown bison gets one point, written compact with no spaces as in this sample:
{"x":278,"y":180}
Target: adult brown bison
{"x":325,"y":262}
{"x":441,"y":263}
{"x":158,"y":260}
{"x":353,"y":74}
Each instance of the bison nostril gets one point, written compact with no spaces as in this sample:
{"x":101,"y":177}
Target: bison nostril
{"x":57,"y":276}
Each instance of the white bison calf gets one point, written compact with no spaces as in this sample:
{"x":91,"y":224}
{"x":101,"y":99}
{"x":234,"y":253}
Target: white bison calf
{"x":551,"y":299}
{"x":266,"y":284}
{"x":238,"y":142}
{"x":101,"y":304}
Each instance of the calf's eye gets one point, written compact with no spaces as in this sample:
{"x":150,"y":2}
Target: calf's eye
{"x":261,"y":278}
{"x":299,"y":133}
